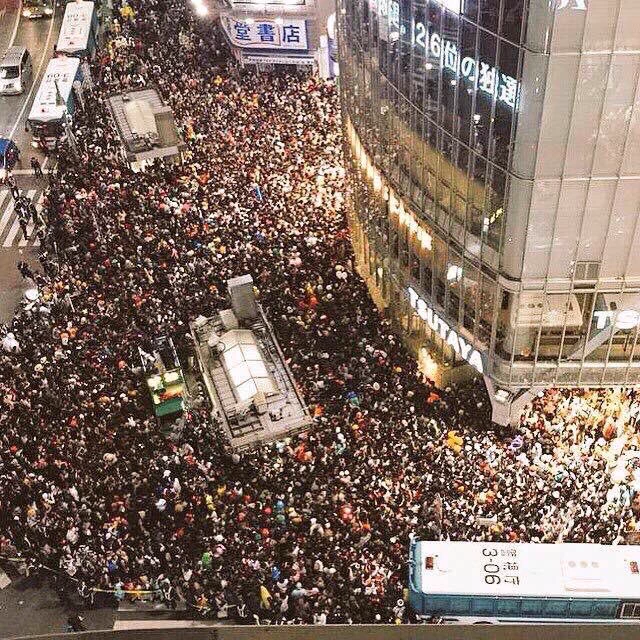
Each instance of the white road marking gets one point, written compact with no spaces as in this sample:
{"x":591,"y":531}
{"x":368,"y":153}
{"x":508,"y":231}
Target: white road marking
{"x":45,"y":56}
{"x":30,"y":227}
{"x":122,"y":625}
{"x":8,"y":241}
{"x":29,"y":172}
{"x":6,"y":216}
{"x":15,"y":26}
{"x":5,"y":580}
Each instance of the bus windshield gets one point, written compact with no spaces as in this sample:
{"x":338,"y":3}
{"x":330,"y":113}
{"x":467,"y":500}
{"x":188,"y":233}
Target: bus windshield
{"x":46,"y":129}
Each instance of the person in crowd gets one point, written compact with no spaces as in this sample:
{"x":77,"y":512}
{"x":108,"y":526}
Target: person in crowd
{"x":314,"y":528}
{"x":36,"y":167}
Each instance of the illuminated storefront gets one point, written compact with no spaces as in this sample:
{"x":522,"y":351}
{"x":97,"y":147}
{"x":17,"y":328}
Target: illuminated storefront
{"x":495,"y":184}
{"x":275,"y":33}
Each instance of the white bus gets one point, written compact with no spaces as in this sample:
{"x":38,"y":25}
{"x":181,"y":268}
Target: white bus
{"x":55,"y":102}
{"x":471,"y":582}
{"x":79,"y":30}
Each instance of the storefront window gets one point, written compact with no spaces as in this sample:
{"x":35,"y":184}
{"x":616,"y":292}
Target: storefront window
{"x":486,"y":309}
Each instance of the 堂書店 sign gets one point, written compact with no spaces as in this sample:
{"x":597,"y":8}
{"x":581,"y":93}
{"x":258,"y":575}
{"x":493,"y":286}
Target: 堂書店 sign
{"x":266,"y":34}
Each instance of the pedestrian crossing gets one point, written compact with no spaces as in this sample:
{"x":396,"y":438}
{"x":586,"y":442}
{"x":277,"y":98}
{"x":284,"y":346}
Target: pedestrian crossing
{"x":10,"y":232}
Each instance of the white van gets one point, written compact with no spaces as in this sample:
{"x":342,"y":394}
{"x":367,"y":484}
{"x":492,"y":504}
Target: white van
{"x":15,"y":71}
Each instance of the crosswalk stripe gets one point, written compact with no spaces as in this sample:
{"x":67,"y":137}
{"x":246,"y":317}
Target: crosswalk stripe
{"x":6,"y":216}
{"x":30,"y":227}
{"x":12,"y":233}
{"x":9,"y":222}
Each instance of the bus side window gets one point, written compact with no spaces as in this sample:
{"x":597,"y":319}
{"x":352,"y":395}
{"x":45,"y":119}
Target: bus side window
{"x":480,"y":606}
{"x":531,"y":606}
{"x":508,"y":606}
{"x":581,"y":608}
{"x":436,"y":604}
{"x":605,"y":608}
{"x":460,"y":604}
{"x":555,"y":607}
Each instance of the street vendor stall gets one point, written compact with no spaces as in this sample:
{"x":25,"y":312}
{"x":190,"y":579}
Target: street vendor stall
{"x":164,"y":377}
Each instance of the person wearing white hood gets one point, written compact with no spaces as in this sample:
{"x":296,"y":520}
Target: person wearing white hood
{"x":10,"y":344}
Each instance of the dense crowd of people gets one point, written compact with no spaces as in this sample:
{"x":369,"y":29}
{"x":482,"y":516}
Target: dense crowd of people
{"x":313,"y":529}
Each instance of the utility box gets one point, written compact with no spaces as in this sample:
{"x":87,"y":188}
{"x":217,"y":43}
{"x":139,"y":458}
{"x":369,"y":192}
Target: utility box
{"x":243,"y":299}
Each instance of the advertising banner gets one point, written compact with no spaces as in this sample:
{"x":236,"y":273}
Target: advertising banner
{"x":266,"y":34}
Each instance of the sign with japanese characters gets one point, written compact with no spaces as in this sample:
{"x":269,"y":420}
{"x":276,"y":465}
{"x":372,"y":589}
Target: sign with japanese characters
{"x":580,"y":5}
{"x":267,"y":34}
{"x":488,"y":78}
{"x":500,"y":566}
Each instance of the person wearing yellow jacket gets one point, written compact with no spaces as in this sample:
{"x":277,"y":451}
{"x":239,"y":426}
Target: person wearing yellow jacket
{"x":127,"y":12}
{"x":265,"y":597}
{"x":454,"y":441}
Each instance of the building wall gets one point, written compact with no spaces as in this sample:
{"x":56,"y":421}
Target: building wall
{"x":583,"y":158}
{"x":494,"y":154}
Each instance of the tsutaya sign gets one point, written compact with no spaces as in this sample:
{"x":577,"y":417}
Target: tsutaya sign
{"x":451,"y":337}
{"x":580,"y":5}
{"x":489,"y":78}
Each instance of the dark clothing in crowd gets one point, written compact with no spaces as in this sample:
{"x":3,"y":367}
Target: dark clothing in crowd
{"x":314,"y":528}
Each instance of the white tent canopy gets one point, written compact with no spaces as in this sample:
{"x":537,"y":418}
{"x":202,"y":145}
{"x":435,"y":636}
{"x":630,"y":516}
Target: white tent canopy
{"x":245,"y":365}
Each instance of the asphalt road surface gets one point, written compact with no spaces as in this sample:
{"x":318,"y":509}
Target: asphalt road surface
{"x":38,"y":36}
{"x":28,"y":610}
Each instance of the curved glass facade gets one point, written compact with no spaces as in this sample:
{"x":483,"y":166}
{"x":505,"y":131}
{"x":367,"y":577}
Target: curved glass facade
{"x":443,"y":176}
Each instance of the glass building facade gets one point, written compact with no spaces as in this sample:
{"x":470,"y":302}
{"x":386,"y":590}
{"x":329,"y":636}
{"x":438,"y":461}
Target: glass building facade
{"x":494,"y":192}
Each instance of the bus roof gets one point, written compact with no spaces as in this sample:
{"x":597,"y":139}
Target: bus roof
{"x":47,"y":105}
{"x":532,"y":570}
{"x":76,"y":27}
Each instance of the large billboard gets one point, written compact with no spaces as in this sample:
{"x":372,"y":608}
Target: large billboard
{"x":281,"y":33}
{"x":425,"y":38}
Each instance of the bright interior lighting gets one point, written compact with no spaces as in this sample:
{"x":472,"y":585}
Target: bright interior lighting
{"x":454,"y":272}
{"x":201,"y":10}
{"x":427,"y":364}
{"x":331,"y":26}
{"x":456,"y":6}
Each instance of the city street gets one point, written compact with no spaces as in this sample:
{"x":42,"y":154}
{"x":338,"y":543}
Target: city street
{"x":297,"y":349}
{"x":38,"y":36}
{"x":27,"y":610}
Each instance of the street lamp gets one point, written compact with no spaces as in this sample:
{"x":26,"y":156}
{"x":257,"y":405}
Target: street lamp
{"x":201,"y":9}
